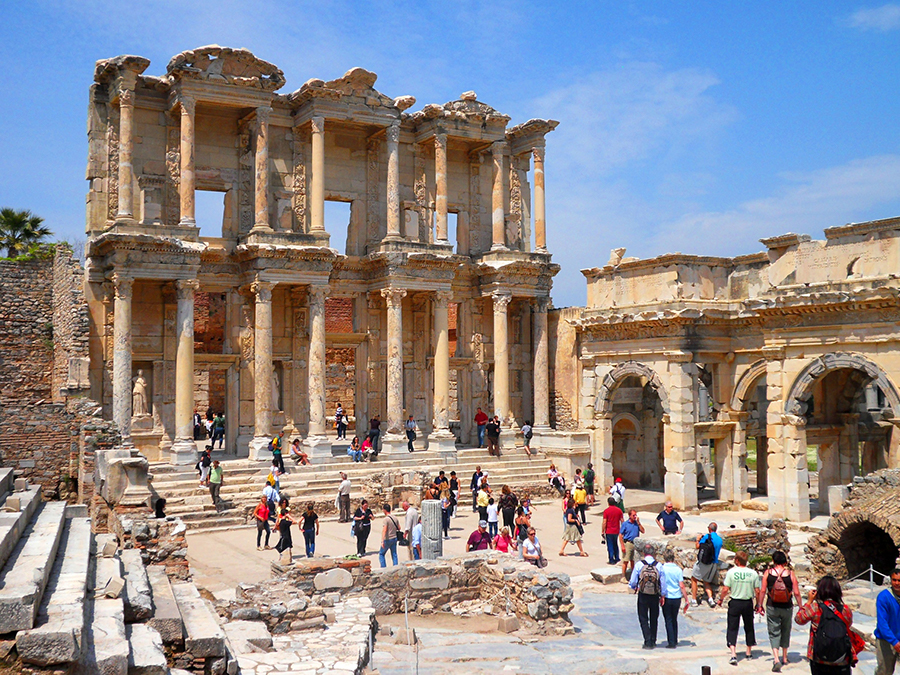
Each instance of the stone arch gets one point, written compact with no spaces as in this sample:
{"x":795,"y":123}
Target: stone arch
{"x":801,"y":389}
{"x":744,"y":387}
{"x":603,"y":402}
{"x":861,"y":538}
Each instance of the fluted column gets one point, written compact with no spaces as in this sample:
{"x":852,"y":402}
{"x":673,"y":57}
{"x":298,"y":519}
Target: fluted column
{"x":262,"y":169}
{"x":498,"y":217}
{"x":184,"y":451}
{"x":501,"y":355}
{"x":262,"y":369}
{"x":123,"y":285}
{"x":540,"y":209}
{"x":541,"y":364}
{"x":187,"y":162}
{"x":316,"y":363}
{"x":440,"y":181}
{"x":317,"y":180}
{"x":393,"y":181}
{"x":394,"y":298}
{"x":441,"y":362}
{"x":126,"y":146}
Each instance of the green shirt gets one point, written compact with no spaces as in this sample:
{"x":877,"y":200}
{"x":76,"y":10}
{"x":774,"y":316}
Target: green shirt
{"x":743,"y":583}
{"x":215,"y":475}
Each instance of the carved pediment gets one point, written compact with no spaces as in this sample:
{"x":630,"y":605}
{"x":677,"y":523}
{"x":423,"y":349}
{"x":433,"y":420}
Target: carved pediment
{"x":467,"y":106}
{"x":357,"y":82}
{"x":106,"y":70}
{"x":227,"y":66}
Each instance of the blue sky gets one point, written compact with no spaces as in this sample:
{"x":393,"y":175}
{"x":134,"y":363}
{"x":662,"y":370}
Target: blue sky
{"x":695,"y":127}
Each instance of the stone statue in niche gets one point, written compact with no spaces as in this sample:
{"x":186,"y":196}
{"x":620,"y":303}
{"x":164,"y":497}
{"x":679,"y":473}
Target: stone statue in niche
{"x":140,"y":397}
{"x":276,"y":390}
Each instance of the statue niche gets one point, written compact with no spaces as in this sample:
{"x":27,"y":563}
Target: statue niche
{"x":141,"y":410}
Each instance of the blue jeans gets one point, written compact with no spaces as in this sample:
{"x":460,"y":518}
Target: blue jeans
{"x":309,"y":536}
{"x":355,"y":454}
{"x":445,"y":521}
{"x":416,"y":555}
{"x":388,"y":545}
{"x":481,"y":428}
{"x":492,"y":528}
{"x":612,"y":547}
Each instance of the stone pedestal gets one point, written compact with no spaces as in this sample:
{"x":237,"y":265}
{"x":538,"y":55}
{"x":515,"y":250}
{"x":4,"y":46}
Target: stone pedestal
{"x":444,"y":444}
{"x":123,"y":477}
{"x":259,"y":449}
{"x":432,"y":542}
{"x":837,"y":495}
{"x":318,"y":448}
{"x":395,"y":445}
{"x":568,"y":450}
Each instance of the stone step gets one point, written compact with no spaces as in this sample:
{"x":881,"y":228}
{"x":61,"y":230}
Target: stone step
{"x":13,"y":523}
{"x":137,"y":596}
{"x":145,"y":651}
{"x":216,"y":522}
{"x":27,"y":570}
{"x":7,"y":481}
{"x":57,"y":637}
{"x":105,"y":648}
{"x":166,"y":617}
{"x":204,"y":635}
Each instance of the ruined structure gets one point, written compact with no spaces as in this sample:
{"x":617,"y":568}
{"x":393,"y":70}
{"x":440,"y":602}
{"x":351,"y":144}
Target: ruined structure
{"x":235,"y":313}
{"x":678,"y":361}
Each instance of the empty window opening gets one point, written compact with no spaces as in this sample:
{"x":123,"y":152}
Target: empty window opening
{"x":209,"y":323}
{"x":452,"y":224}
{"x":210,"y":212}
{"x":337,"y":224}
{"x":338,"y":315}
{"x":340,"y":383}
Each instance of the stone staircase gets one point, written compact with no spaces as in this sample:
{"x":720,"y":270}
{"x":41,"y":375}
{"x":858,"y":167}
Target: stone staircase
{"x":244,"y":480}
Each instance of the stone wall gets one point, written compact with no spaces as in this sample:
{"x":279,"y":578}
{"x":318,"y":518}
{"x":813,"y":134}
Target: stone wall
{"x":71,"y":323}
{"x":160,"y":541}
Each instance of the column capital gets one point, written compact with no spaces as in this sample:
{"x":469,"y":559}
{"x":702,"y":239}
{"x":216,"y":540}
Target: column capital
{"x":262,"y":114}
{"x":442,"y":298}
{"x":498,"y":148}
{"x":393,"y":296}
{"x":501,"y":300}
{"x":317,"y":293}
{"x":262,"y":290}
{"x":188,"y":105}
{"x":123,"y":284}
{"x":318,"y":124}
{"x":440,"y":139}
{"x":393,"y":132}
{"x":185,"y":288}
{"x":126,"y":97}
{"x":541,"y":305}
{"x":538,"y":154}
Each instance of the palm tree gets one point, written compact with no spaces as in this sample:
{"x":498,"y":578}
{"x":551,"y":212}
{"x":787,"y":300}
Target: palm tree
{"x":20,"y":229}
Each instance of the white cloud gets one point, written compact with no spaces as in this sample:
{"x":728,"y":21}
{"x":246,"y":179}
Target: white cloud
{"x":882,"y":19}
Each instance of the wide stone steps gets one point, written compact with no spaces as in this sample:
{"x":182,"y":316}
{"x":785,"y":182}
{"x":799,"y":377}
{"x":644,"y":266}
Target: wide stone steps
{"x":106,"y":645}
{"x":204,"y":636}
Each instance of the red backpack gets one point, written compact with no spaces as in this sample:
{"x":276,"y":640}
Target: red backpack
{"x":779,"y":592}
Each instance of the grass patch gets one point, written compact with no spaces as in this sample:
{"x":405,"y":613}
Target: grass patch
{"x":751,"y":454}
{"x":812,"y":457}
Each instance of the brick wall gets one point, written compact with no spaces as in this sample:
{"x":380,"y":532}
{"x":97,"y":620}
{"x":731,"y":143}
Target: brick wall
{"x":71,"y":322}
{"x":338,"y":315}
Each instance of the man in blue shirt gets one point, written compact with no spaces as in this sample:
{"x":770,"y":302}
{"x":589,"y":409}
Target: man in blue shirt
{"x":628,"y":532}
{"x":707,"y":572}
{"x":648,"y":600}
{"x":416,"y":539}
{"x":669,"y":520}
{"x":887,"y":628}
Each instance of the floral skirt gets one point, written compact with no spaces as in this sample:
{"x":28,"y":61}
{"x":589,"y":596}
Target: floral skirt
{"x":571,"y":533}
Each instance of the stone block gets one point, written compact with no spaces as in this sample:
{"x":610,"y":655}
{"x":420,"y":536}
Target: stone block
{"x":138,"y":600}
{"x":437,"y":582}
{"x":109,"y":549}
{"x":20,"y":484}
{"x":406,"y":636}
{"x":837,"y":495}
{"x":508,"y":624}
{"x":114,"y":587}
{"x":332,"y":579}
{"x":12,"y":504}
{"x":204,"y":635}
{"x":166,"y":617}
{"x":145,"y":651}
{"x":242,"y":633}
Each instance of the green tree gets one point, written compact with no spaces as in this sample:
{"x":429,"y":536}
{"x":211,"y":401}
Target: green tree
{"x":20,"y":229}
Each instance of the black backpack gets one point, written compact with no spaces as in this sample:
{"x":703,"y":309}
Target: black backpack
{"x":706,"y":552}
{"x":831,"y":642}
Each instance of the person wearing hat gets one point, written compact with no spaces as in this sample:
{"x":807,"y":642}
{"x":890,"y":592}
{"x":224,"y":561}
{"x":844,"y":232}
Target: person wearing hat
{"x":480,"y":540}
{"x":617,"y":492}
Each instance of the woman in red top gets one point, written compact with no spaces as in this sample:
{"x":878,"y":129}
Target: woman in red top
{"x":827,"y":592}
{"x":261,"y":513}
{"x":504,"y":542}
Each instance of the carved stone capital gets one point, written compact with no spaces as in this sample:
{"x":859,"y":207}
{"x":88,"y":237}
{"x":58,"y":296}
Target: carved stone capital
{"x":538,"y":155}
{"x":393,"y":133}
{"x":541,"y":305}
{"x":185,"y":288}
{"x":393,"y":296}
{"x":126,"y":98}
{"x":123,"y":284}
{"x":442,"y":299}
{"x":317,"y":295}
{"x":440,"y":141}
{"x":498,"y":149}
{"x":501,"y":300}
{"x":262,"y":290}
{"x":318,"y":124}
{"x":188,"y":105}
{"x":262,"y":114}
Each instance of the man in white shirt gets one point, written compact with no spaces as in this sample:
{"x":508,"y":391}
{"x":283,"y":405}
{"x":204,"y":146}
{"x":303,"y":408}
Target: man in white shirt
{"x":416,"y":539}
{"x":412,"y":517}
{"x":343,"y":499}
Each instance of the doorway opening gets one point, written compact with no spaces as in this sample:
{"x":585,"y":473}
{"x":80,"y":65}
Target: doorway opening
{"x":211,"y":209}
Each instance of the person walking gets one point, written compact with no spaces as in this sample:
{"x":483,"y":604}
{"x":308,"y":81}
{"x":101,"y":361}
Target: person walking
{"x":204,"y":464}
{"x":270,"y":492}
{"x":446,"y":510}
{"x":474,"y":485}
{"x":628,"y":532}
{"x":669,"y":520}
{"x":706,"y":569}
{"x":573,"y":532}
{"x":672,"y":596}
{"x":504,"y":541}
{"x":522,"y":522}
{"x":493,"y":436}
{"x":493,"y":517}
{"x":508,"y":504}
{"x":362,"y":521}
{"x":612,"y":525}
{"x":340,"y":422}
{"x":648,"y":580}
{"x":411,"y":428}
{"x":483,"y":500}
{"x":415,"y":541}
{"x":479,"y":540}
{"x":887,"y":627}
{"x":215,"y":483}
{"x":283,"y":522}
{"x":218,"y":428}
{"x":275,"y":446}
{"x":454,"y":490}
{"x":388,"y":536}
{"x":778,"y":586}
{"x":579,"y":495}
{"x":481,"y":420}
{"x":409,"y":522}
{"x":825,"y":610}
{"x":342,"y":500}
{"x":527,"y":435}
{"x":589,"y":476}
{"x":375,"y":433}
{"x":531,"y":551}
{"x":741,"y":583}
{"x":617,"y":491}
{"x":261,"y":514}
{"x":309,"y":523}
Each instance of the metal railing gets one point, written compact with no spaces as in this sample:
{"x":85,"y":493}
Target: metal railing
{"x":870,"y":572}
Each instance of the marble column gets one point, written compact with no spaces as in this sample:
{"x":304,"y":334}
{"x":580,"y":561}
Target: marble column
{"x":498,"y":216}
{"x":263,"y":371}
{"x":123,"y":285}
{"x":316,"y":440}
{"x":317,"y":180}
{"x":126,"y":146}
{"x":501,"y":356}
{"x":540,"y":209}
{"x":394,"y":299}
{"x":541,"y":343}
{"x":441,"y":439}
{"x":184,"y":451}
{"x":188,"y":218}
{"x":440,"y":181}
{"x":262,"y":170}
{"x":432,"y":532}
{"x":678,"y":434}
{"x":393,"y":182}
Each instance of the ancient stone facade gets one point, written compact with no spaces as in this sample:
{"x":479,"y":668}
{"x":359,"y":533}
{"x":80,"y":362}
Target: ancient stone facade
{"x":215,"y":122}
{"x":677,"y":362}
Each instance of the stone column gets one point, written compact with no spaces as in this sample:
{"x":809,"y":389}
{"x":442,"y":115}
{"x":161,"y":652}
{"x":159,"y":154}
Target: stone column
{"x":442,"y":440}
{"x":262,"y":169}
{"x":796,"y":470}
{"x":184,"y":451}
{"x":188,"y":218}
{"x":541,"y":364}
{"x":440,"y":182}
{"x":501,"y":358}
{"x":393,"y":182}
{"x":680,"y":452}
{"x":741,"y":490}
{"x":262,"y":370}
{"x":317,"y":180}
{"x":498,"y":216}
{"x":122,"y":355}
{"x":319,"y":445}
{"x":126,"y":146}
{"x":394,"y":298}
{"x":540,"y":209}
{"x":602,"y":456}
{"x":432,"y":539}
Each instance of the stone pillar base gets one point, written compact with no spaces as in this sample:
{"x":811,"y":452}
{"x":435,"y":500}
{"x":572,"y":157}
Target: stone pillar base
{"x":259,"y":449}
{"x":183,"y":452}
{"x":395,"y":445}
{"x":443,"y":443}
{"x":318,"y":448}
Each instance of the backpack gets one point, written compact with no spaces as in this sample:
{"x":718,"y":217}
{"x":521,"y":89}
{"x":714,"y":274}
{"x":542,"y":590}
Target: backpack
{"x":271,"y":446}
{"x":648,"y":580}
{"x":706,"y":551}
{"x":831,"y":642}
{"x":779,"y":592}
